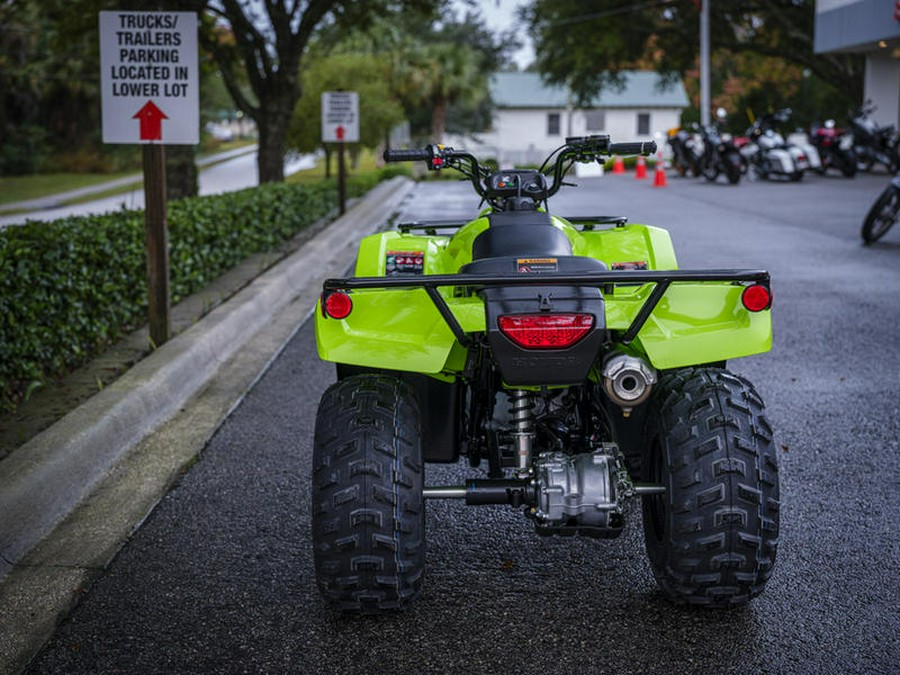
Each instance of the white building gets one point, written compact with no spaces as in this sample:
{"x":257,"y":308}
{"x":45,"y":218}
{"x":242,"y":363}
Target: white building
{"x":870,"y":27}
{"x":532,"y":118}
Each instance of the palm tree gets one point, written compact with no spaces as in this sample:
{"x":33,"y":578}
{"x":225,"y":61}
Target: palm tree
{"x":441,"y":74}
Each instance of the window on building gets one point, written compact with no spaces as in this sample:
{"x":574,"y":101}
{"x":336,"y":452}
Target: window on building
{"x":553,"y":120}
{"x":643,"y":124}
{"x":595,"y":120}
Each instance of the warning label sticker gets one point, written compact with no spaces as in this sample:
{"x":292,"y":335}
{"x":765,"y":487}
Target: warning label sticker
{"x":404,"y":263}
{"x":529,"y":265}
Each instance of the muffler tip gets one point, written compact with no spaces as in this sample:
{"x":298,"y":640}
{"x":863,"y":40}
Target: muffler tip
{"x":628,"y":380}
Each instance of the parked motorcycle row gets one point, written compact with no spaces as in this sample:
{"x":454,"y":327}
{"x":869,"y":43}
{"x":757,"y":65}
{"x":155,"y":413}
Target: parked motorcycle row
{"x":764,"y":152}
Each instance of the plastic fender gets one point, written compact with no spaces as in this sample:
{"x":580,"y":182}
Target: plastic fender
{"x":399,"y":330}
{"x":402,"y":329}
{"x":692,"y":324}
{"x":373,"y":252}
{"x":628,"y":244}
{"x":459,"y":250}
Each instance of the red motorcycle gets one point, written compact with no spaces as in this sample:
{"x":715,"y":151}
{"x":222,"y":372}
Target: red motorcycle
{"x":835,"y":147}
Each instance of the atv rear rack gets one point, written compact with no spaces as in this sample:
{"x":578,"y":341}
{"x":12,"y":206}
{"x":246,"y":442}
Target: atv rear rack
{"x":661,"y":279}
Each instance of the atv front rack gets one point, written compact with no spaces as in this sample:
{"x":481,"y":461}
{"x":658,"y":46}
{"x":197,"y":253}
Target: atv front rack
{"x":432,"y":227}
{"x":661,"y":280}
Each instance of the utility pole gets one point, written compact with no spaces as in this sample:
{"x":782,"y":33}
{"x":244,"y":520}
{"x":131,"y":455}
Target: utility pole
{"x":705,"y":104}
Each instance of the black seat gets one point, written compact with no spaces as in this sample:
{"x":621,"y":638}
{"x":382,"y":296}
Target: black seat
{"x":520,"y":233}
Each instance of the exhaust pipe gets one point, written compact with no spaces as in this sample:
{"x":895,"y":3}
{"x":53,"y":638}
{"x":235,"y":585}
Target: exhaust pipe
{"x":627,"y":381}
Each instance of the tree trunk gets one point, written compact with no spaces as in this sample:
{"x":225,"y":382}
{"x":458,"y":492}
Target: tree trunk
{"x":438,"y":118}
{"x":270,"y":159}
{"x":181,"y":172}
{"x":273,"y":121}
{"x":327,"y":162}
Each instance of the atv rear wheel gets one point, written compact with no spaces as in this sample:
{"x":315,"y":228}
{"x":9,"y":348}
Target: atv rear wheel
{"x":368,"y":523}
{"x":712,"y":537}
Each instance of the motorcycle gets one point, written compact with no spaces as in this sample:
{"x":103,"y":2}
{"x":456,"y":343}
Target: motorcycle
{"x":884,"y":214}
{"x":686,"y":151}
{"x":873,"y":144}
{"x":767,"y":152}
{"x":569,"y":354}
{"x":720,"y":155}
{"x":835,"y":148}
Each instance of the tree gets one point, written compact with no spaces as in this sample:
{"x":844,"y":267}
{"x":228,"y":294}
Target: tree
{"x":267,"y":41}
{"x":439,"y":65}
{"x":440,"y":74}
{"x":586,"y":49}
{"x":364,"y":73}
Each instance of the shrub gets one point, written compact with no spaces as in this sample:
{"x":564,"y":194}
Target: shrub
{"x":69,"y":287}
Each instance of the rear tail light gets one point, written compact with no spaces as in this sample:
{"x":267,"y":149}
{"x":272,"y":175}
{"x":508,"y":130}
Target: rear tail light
{"x":545,"y":331}
{"x":756,"y":298}
{"x":337,"y":305}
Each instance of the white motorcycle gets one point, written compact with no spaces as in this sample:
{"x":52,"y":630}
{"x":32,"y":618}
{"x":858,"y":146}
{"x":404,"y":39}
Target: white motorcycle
{"x":769,"y":155}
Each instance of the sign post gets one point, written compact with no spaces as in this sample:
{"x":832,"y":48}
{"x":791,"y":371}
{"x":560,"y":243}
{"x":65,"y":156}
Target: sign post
{"x":150,"y":95}
{"x":340,"y":124}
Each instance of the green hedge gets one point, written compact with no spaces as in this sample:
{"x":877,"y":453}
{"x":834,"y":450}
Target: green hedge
{"x":70,"y":287}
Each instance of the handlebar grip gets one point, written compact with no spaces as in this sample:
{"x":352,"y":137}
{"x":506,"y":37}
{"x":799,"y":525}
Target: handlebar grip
{"x":643,"y":148}
{"x":420,"y":154}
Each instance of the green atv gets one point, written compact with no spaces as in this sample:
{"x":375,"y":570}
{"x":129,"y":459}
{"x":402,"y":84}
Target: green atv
{"x":569,"y":355}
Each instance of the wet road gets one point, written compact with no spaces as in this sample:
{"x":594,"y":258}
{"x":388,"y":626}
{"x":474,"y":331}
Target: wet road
{"x":219,"y":578}
{"x":234,"y":173}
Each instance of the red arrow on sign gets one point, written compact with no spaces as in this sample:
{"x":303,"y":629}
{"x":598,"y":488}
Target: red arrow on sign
{"x":151,"y":121}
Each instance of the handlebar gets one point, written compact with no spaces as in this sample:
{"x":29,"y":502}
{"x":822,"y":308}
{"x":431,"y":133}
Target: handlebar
{"x":417,"y":155}
{"x":576,"y":149}
{"x":642,"y":148}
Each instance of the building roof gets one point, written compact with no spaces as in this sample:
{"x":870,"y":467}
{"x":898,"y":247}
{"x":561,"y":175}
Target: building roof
{"x":642,"y":90}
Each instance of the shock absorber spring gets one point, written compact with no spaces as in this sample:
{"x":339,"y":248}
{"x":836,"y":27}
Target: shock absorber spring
{"x":521,"y":412}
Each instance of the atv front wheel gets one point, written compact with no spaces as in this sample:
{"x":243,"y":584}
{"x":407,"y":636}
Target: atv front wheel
{"x":368,"y":523}
{"x":711,"y":538}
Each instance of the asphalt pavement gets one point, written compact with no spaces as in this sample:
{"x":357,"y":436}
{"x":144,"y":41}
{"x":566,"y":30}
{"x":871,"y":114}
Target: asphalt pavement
{"x":219,"y":577}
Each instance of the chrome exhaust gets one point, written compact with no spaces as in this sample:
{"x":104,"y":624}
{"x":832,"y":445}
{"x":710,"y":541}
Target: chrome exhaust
{"x":627,"y":381}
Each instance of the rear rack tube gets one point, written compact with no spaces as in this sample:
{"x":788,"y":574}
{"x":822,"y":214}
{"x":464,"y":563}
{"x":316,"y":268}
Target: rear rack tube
{"x":662,"y":279}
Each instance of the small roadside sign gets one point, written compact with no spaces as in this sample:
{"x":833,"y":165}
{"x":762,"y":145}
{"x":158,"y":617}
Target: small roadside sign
{"x":149,"y":76}
{"x":340,"y":117}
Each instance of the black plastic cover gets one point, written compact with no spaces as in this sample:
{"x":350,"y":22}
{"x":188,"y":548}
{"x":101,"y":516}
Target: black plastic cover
{"x":528,"y":367}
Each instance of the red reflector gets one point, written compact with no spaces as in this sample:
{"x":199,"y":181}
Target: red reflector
{"x":337,"y":305}
{"x":545,"y":331}
{"x":756,"y":298}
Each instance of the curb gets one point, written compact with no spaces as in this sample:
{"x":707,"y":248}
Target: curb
{"x":45,"y":479}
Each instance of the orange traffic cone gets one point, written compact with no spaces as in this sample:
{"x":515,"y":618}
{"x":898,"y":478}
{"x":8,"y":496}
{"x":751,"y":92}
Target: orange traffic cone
{"x":659,"y":178}
{"x":618,"y":165}
{"x":640,"y":170}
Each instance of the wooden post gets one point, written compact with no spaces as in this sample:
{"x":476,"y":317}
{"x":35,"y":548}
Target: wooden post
{"x":157,"y":242}
{"x":342,"y":178}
